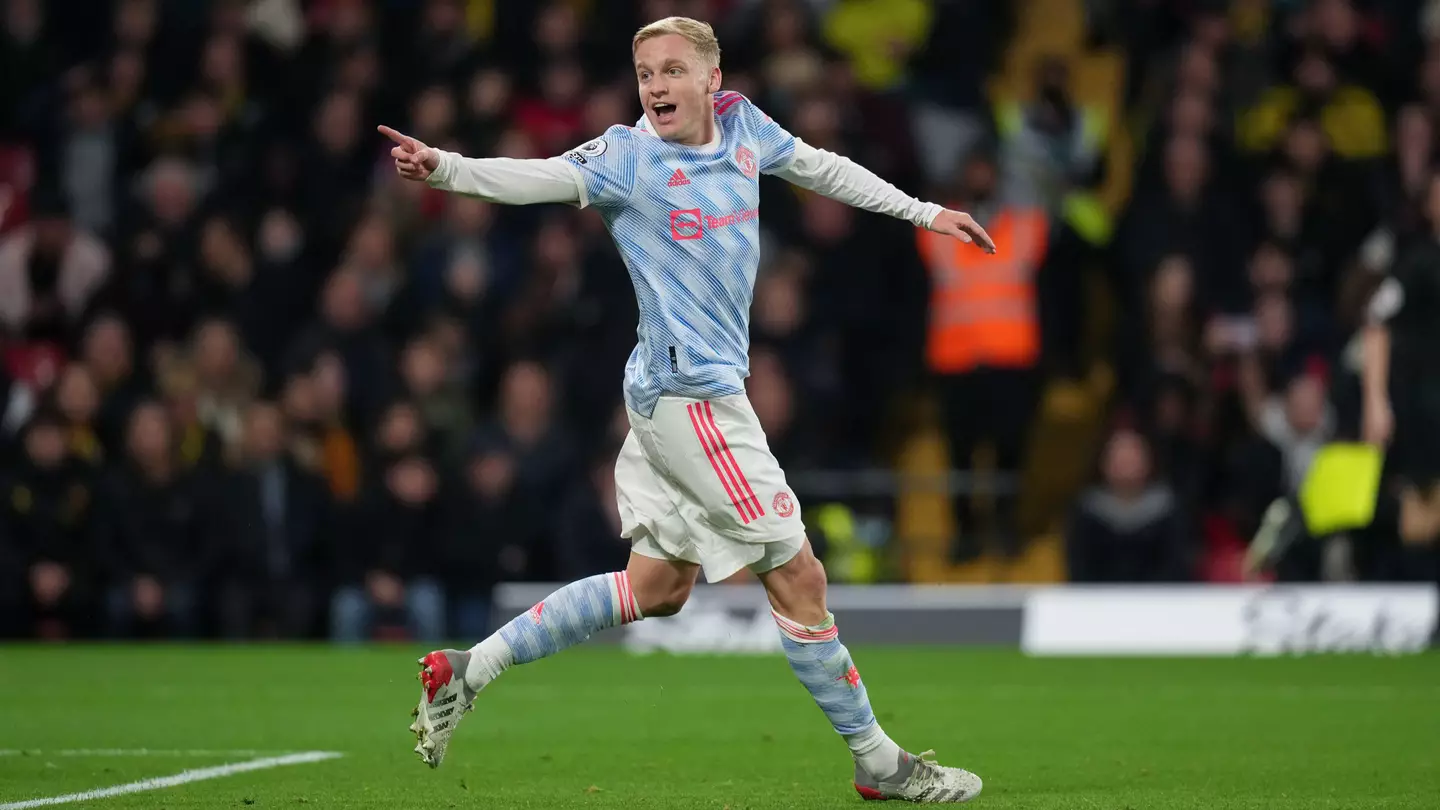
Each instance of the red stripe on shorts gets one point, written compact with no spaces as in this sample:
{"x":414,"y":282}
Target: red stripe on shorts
{"x":710,"y":453}
{"x":751,"y":501}
{"x":727,"y":461}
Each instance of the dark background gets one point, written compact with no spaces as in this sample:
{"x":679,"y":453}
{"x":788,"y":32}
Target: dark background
{"x":254,"y":384}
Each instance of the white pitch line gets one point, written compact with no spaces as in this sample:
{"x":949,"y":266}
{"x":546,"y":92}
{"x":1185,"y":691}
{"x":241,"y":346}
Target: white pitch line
{"x":140,"y":752}
{"x":182,"y":778}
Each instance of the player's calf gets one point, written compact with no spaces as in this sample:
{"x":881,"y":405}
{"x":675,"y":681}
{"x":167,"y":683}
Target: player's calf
{"x":662,"y":587}
{"x":563,"y":619}
{"x":812,"y":645}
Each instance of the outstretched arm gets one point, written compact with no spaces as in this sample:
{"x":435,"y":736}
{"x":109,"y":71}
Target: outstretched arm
{"x":1377,"y":418}
{"x":843,"y":179}
{"x":500,"y":180}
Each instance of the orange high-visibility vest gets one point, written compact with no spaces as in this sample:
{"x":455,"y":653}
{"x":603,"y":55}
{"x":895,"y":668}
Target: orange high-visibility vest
{"x":982,"y":305}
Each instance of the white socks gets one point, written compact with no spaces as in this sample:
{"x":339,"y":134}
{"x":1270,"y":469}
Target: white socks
{"x":488,"y":659}
{"x":876,"y":753}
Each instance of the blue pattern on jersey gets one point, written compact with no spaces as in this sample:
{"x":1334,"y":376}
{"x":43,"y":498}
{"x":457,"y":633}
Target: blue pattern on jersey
{"x":825,"y":669}
{"x":568,"y":617}
{"x":686,"y":222}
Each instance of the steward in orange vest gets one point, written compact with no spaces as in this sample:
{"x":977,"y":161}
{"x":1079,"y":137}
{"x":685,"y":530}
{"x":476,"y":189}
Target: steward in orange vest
{"x":983,"y":309}
{"x":983,"y":348}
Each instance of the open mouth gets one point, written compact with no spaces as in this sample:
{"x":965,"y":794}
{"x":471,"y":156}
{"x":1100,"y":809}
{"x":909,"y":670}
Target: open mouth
{"x":664,"y":112}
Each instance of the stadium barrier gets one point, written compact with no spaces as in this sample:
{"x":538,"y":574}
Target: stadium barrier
{"x":1201,"y":620}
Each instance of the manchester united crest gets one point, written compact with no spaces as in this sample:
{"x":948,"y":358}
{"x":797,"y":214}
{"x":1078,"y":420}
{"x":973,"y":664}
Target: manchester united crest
{"x":783,"y":504}
{"x":746,"y":160}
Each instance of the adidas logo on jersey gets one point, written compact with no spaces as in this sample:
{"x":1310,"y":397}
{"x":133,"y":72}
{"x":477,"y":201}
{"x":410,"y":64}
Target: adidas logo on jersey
{"x":678,"y":179}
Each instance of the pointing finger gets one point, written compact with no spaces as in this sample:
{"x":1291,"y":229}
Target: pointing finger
{"x":398,"y":137}
{"x":984,"y":238}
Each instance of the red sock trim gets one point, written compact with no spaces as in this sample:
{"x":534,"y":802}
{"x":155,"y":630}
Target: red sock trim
{"x":802,"y":634}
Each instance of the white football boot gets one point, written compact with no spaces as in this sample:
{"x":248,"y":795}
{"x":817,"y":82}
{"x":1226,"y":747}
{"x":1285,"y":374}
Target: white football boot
{"x":919,"y":779}
{"x":444,"y":699}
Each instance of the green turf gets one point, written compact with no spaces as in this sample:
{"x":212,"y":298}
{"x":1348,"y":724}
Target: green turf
{"x":597,"y":728}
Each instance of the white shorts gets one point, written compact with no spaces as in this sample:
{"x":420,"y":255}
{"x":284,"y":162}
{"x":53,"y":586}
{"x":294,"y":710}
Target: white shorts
{"x":697,"y":482}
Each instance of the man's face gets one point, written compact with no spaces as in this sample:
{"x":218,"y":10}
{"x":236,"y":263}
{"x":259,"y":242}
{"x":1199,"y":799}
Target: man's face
{"x":675,"y":88}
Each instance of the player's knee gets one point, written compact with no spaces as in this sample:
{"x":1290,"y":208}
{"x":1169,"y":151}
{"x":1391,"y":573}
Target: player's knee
{"x":661,"y":589}
{"x":797,"y":588}
{"x":804,"y":574}
{"x":663,"y":599}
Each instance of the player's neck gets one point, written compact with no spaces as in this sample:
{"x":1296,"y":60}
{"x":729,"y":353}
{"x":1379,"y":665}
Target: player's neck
{"x":706,"y":136}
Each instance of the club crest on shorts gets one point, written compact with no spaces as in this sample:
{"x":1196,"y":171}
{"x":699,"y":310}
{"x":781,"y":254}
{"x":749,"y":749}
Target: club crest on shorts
{"x":746,"y":160}
{"x":783,"y":504}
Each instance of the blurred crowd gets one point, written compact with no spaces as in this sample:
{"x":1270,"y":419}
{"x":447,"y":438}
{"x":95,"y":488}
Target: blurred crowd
{"x":254,"y":384}
{"x":1286,"y":165}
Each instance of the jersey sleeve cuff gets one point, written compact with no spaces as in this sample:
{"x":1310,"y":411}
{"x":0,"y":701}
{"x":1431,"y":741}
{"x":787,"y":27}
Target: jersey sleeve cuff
{"x":581,"y":189}
{"x":440,"y":178}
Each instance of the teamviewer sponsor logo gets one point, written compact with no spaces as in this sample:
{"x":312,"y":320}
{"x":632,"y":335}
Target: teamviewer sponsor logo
{"x":731,"y":219}
{"x":691,"y":223}
{"x":686,"y":224}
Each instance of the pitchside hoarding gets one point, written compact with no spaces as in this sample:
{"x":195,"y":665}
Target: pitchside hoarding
{"x":1215,"y":620}
{"x":1210,"y":620}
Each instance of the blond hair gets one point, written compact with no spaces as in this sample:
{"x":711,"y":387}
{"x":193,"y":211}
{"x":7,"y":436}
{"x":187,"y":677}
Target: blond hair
{"x":697,"y":33}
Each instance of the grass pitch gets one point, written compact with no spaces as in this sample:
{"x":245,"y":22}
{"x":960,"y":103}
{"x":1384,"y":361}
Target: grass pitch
{"x":597,"y":728}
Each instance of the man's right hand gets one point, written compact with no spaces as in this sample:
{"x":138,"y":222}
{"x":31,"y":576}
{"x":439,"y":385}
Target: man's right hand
{"x":1377,"y":422}
{"x":413,"y":159}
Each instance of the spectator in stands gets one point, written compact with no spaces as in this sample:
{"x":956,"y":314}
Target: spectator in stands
{"x":1170,"y":342}
{"x":77,"y":401}
{"x":1129,"y":528}
{"x":155,"y":534}
{"x":49,"y":270}
{"x":227,"y":379}
{"x":336,"y":449}
{"x":272,"y":304}
{"x":483,"y":115}
{"x":587,"y":526}
{"x":44,"y":523}
{"x":109,"y":354}
{"x":488,"y":540}
{"x":1051,"y":149}
{"x":1185,"y":216}
{"x":442,"y":403}
{"x":949,"y":116}
{"x":278,"y":531}
{"x":388,"y":589}
{"x":878,"y":39}
{"x":525,"y":426}
{"x":1296,"y":423}
{"x":155,"y":290}
{"x":1351,"y":116}
{"x":553,"y":118}
{"x":347,"y":328}
{"x":197,"y":444}
{"x":27,"y":59}
{"x":772,"y":395}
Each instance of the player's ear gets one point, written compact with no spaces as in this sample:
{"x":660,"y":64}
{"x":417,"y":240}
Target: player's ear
{"x":714,"y":84}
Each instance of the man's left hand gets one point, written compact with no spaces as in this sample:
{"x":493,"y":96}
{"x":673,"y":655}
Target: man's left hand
{"x":963,"y":227}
